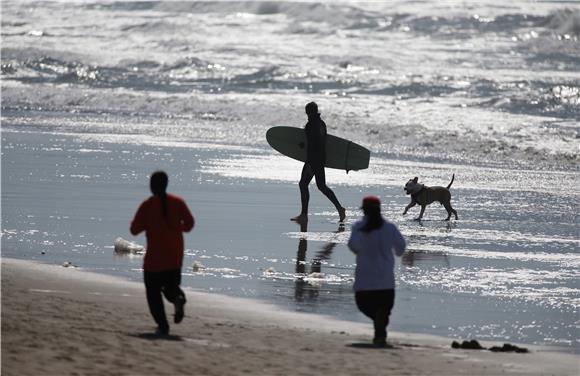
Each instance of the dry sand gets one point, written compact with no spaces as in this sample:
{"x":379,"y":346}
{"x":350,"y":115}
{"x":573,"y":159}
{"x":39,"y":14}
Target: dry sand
{"x":65,"y":321}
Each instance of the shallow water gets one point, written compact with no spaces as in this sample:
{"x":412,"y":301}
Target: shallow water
{"x":98,"y":95}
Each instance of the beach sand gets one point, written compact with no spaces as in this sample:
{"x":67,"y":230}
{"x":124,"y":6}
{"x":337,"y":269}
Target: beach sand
{"x":65,"y":321}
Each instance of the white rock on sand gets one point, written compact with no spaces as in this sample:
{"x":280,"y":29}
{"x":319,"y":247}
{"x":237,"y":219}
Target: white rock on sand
{"x":58,"y":321}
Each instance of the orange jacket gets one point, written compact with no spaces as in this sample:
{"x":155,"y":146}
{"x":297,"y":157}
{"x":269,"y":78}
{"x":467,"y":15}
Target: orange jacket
{"x":164,"y":240}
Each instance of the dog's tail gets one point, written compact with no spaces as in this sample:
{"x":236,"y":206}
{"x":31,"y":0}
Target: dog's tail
{"x":452,"y":179}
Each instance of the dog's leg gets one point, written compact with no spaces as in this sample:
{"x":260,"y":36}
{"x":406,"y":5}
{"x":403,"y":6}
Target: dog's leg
{"x":450,"y":210}
{"x":422,"y":211}
{"x":413,"y":203}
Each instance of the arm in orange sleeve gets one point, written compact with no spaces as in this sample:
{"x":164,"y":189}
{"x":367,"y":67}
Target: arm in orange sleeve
{"x":138,"y":223}
{"x":187,"y":220}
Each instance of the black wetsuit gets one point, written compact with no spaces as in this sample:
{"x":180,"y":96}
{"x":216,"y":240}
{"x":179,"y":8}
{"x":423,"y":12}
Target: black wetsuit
{"x":315,"y":158}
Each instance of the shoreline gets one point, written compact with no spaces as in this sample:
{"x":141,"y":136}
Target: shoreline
{"x":71,"y":321}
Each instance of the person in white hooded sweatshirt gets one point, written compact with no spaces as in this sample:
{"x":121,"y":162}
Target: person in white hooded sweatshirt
{"x":375,"y":241}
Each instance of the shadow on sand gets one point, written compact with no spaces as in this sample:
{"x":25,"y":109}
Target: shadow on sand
{"x":366,"y":345}
{"x":157,"y":337}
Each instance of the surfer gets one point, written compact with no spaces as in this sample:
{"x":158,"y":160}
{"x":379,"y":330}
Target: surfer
{"x":164,"y":217}
{"x":314,"y":166}
{"x":374,"y":241}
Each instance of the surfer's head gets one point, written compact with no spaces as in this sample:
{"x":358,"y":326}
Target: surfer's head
{"x":311,"y":109}
{"x":158,"y":183}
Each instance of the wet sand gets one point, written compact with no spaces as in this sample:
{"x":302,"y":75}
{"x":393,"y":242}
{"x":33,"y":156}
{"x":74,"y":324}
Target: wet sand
{"x":66,"y":321}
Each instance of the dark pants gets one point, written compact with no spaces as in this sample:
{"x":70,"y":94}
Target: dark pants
{"x":166,"y":283}
{"x":377,"y":305}
{"x":309,"y":171}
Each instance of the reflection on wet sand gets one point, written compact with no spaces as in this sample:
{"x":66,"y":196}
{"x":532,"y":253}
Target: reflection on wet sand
{"x":418,"y":256}
{"x":412,"y":257}
{"x":305,"y":290}
{"x":449,"y":225}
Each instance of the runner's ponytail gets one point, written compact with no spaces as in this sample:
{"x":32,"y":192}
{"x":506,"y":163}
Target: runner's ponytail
{"x":374,"y":218}
{"x":158,"y":185}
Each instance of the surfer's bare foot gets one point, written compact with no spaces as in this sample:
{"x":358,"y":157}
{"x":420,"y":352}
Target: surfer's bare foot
{"x":341,"y":214}
{"x":300,"y":218}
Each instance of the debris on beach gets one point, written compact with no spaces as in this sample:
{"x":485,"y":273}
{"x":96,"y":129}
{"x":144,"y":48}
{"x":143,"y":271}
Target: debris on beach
{"x":474,"y":345}
{"x":470,"y":345}
{"x":315,"y":279}
{"x":269,"y":270}
{"x":197,"y":266}
{"x":123,"y":246}
{"x":508,"y":347}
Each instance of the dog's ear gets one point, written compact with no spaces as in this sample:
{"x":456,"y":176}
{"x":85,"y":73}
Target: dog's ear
{"x":415,"y":180}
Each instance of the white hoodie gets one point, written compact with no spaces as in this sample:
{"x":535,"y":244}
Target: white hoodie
{"x":375,"y":261}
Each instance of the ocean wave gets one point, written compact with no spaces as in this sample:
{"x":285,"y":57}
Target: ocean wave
{"x":322,"y":18}
{"x":411,"y":90}
{"x":342,"y":15}
{"x":462,"y":25}
{"x":266,"y":74}
{"x":47,"y":69}
{"x":538,"y":98}
{"x":124,"y":5}
{"x":8,"y":68}
{"x":310,"y":16}
{"x":62,"y":71}
{"x":304,"y":28}
{"x":140,"y":64}
{"x":549,"y":56}
{"x":192,"y":71}
{"x":187,"y":63}
{"x":564,"y":22}
{"x":313,"y":17}
{"x":150,"y":26}
{"x":31,"y":66}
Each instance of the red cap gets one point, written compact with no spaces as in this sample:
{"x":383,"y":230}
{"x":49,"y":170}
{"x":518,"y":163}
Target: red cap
{"x":371,"y":200}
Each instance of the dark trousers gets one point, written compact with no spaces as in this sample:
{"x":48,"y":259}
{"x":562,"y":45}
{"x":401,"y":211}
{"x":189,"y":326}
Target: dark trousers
{"x":309,"y":171}
{"x":377,"y":305}
{"x":166,"y":283}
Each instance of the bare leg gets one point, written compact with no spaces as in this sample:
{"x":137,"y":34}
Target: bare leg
{"x":321,"y":184}
{"x":305,"y":180}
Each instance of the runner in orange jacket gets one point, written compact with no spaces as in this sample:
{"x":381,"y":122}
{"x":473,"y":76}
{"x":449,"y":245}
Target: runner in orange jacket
{"x":164,"y":218}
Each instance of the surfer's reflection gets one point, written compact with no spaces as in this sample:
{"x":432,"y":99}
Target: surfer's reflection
{"x":303,"y":289}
